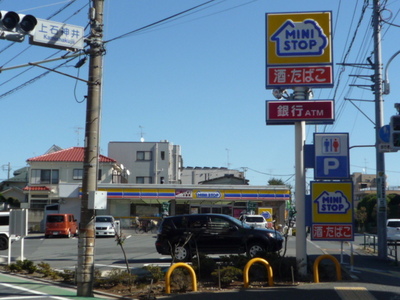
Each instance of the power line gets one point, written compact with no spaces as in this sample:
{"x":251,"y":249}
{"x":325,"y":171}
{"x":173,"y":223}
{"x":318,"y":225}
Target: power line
{"x":158,"y":22}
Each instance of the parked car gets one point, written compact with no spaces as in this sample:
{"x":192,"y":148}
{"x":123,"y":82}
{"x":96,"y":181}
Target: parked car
{"x":105,"y":226}
{"x":61,"y":225}
{"x":393,"y":229}
{"x":183,"y":236}
{"x":256,"y":221}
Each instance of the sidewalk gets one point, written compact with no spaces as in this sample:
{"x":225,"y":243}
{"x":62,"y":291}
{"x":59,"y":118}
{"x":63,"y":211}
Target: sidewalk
{"x":371,"y":279}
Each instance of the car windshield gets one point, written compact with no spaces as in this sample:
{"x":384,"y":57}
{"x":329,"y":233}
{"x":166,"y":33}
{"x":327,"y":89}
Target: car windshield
{"x":255,"y":219}
{"x":237,"y":222}
{"x":393,"y":224}
{"x":104,"y":219}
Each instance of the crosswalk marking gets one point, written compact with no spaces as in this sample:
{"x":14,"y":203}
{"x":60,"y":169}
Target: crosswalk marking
{"x":354,"y":293}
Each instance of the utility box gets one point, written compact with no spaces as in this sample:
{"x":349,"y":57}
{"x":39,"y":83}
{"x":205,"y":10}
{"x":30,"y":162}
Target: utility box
{"x":97,"y":200}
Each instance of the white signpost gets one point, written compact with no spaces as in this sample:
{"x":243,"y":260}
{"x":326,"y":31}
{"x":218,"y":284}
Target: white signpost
{"x":58,"y":35}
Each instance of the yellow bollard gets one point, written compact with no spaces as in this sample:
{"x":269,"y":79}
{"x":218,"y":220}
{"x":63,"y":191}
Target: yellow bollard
{"x":169,"y":273}
{"x":247,"y":268}
{"x":337,"y":265}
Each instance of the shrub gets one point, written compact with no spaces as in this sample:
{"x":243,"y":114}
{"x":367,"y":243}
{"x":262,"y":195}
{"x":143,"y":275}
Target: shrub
{"x":115,"y":277}
{"x":22,"y":265}
{"x":203,"y":265}
{"x":47,"y":271}
{"x":226,"y":275}
{"x":180,"y":279}
{"x":156,"y":273}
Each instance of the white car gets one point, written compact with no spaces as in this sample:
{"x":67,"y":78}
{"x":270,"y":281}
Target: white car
{"x":393,"y":229}
{"x":105,"y":226}
{"x":255,"y":221}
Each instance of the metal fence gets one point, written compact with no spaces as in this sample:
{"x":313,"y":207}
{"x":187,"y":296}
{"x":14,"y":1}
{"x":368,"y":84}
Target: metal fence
{"x":371,"y":242}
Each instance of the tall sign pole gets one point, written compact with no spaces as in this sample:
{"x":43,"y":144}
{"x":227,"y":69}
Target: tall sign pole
{"x":86,"y":243}
{"x":380,"y":156}
{"x":299,"y":57}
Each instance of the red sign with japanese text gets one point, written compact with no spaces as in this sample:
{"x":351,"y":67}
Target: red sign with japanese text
{"x":287,"y":76}
{"x":332,"y":232}
{"x":288,"y":112}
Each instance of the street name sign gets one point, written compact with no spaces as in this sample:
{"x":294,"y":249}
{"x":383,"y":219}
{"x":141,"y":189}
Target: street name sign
{"x":332,"y":211}
{"x":299,"y":50}
{"x":288,"y":112}
{"x":58,"y":35}
{"x":331,"y":156}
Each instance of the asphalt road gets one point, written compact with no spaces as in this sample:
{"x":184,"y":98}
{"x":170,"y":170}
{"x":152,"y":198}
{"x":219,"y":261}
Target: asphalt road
{"x":373,"y":279}
{"x":62,"y":253}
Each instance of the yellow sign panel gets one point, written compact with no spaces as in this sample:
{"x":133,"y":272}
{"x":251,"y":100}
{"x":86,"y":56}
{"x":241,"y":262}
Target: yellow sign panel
{"x":332,"y":202}
{"x":299,"y":38}
{"x":266,"y":212}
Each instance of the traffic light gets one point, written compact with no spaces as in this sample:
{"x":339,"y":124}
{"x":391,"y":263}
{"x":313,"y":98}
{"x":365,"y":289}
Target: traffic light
{"x":14,"y":27}
{"x":395,"y":132}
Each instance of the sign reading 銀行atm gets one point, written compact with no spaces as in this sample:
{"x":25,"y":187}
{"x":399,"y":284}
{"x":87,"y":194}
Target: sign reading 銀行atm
{"x":299,"y":50}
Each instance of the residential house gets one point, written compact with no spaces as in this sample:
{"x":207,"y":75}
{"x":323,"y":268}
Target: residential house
{"x":57,"y":178}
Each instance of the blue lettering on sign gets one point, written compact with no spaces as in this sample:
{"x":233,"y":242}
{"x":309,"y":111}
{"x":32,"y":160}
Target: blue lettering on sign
{"x":332,"y":203}
{"x":208,"y":194}
{"x":300,"y":39}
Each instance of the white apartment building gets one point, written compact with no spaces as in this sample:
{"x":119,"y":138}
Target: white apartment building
{"x":148,"y":162}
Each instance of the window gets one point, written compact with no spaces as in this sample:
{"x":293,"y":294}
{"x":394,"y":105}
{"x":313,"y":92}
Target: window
{"x":144,"y":179}
{"x":77,"y":174}
{"x":44,"y":176}
{"x":4,"y":220}
{"x":163,"y":155}
{"x":143,"y":155}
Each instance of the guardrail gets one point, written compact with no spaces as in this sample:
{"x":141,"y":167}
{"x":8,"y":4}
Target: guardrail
{"x":371,"y":241}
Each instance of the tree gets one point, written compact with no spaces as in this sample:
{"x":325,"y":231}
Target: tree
{"x":393,"y":206}
{"x":361,"y":217}
{"x":275,"y":181}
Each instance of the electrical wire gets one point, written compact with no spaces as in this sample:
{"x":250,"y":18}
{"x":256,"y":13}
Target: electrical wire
{"x":346,"y":55}
{"x":158,"y":22}
{"x":36,"y":78}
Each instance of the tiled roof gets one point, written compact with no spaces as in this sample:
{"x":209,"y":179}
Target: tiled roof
{"x":73,"y":154}
{"x":36,"y":188}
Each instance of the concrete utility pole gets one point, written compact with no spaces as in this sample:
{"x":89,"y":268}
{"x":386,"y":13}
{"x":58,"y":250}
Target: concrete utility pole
{"x":86,"y":244}
{"x":380,"y":156}
{"x":300,"y":93}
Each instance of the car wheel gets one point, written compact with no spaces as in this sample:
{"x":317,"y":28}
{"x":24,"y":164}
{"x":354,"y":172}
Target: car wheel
{"x":254,"y":249}
{"x":182,"y":253}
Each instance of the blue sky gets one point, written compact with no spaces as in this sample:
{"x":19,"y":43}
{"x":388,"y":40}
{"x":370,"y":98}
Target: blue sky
{"x":197,"y":81}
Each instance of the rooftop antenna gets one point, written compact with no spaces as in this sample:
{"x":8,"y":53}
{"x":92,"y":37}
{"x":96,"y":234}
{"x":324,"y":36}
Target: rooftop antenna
{"x":77,"y":131}
{"x":141,"y":133}
{"x":227,"y":154}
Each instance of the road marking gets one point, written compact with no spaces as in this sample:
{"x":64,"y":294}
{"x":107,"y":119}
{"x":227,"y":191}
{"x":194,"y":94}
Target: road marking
{"x":30,"y":291}
{"x":354,"y":293}
{"x":380,"y":272}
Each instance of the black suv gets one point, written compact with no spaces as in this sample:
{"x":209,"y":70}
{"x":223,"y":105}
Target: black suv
{"x":185,"y":235}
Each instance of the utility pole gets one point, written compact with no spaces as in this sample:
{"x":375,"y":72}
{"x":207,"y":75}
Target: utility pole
{"x":380,"y":156}
{"x":86,"y":243}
